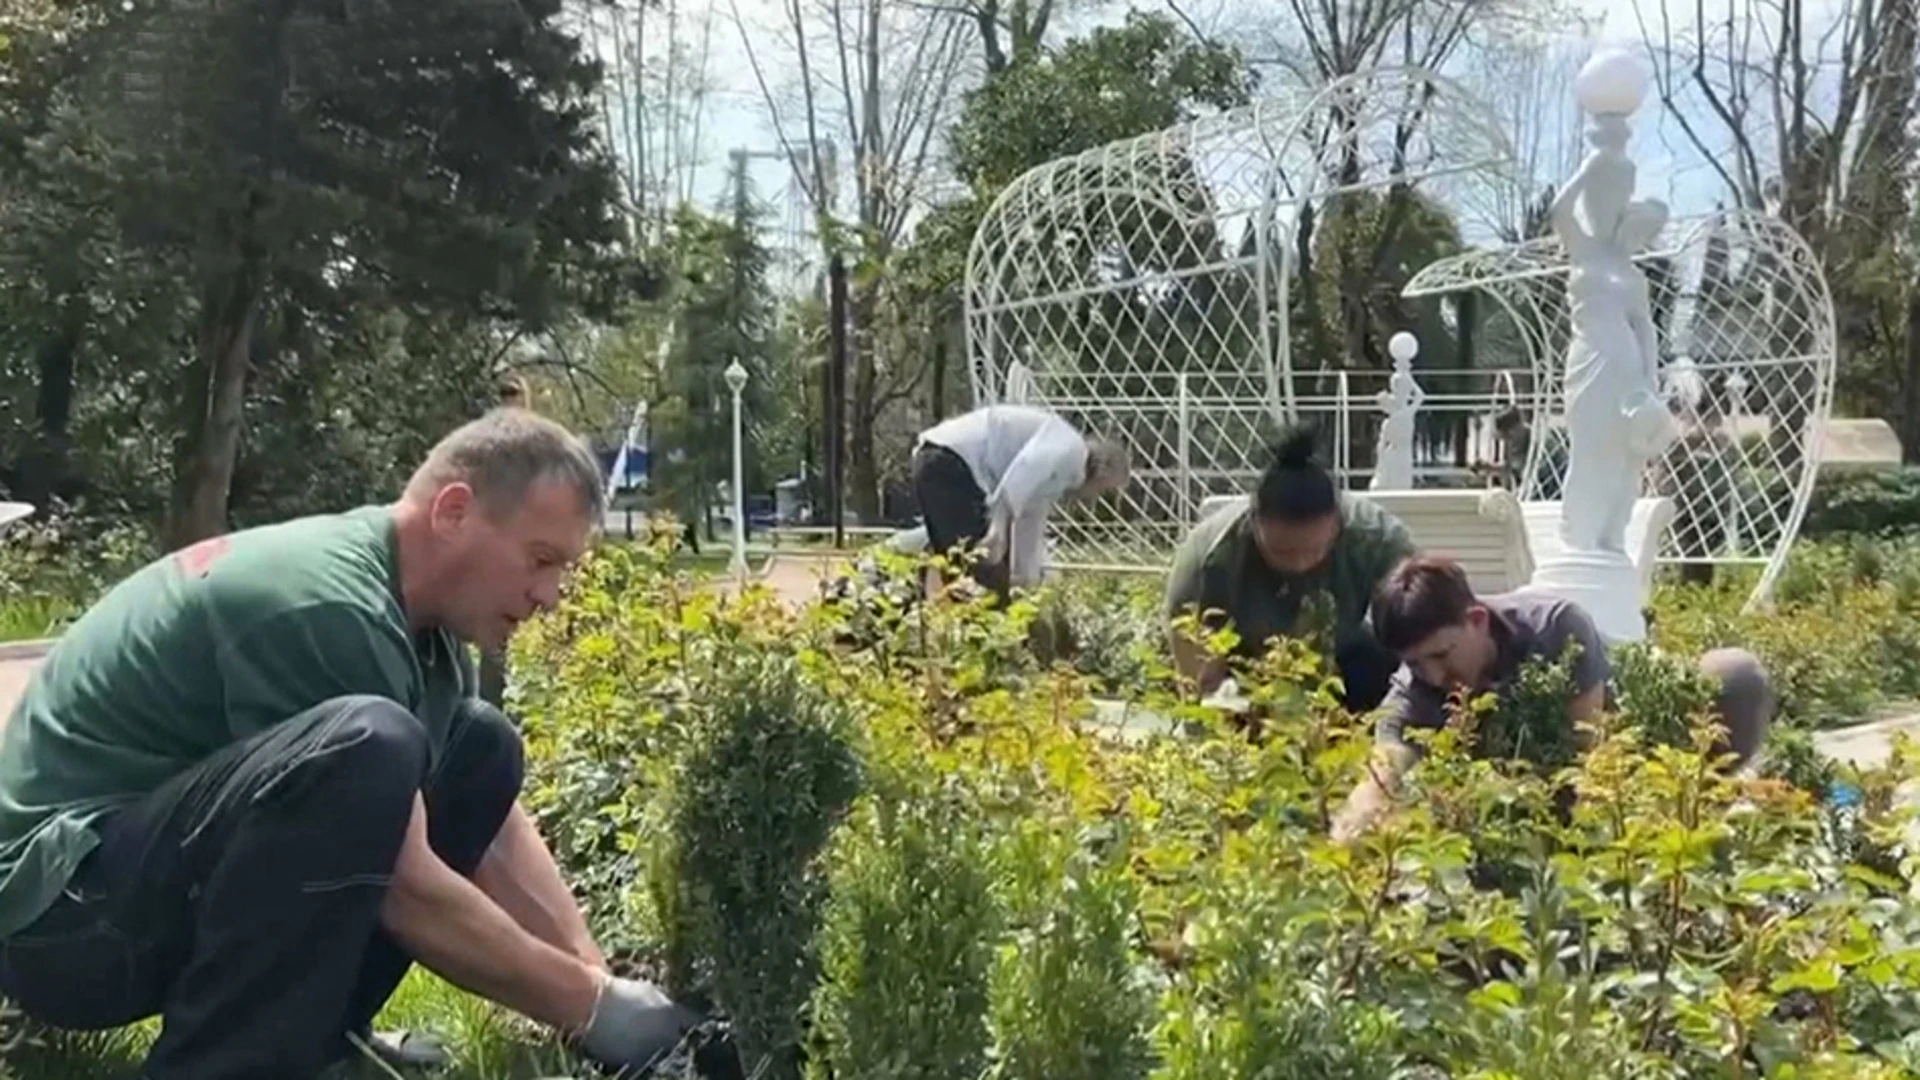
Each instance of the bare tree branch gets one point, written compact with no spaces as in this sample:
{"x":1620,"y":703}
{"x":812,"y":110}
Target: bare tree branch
{"x":1660,"y":57}
{"x":1192,"y":27}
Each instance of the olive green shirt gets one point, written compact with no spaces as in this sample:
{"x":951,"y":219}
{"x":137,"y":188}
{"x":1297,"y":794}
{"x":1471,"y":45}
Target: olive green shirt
{"x":1219,"y":567}
{"x":207,"y":645}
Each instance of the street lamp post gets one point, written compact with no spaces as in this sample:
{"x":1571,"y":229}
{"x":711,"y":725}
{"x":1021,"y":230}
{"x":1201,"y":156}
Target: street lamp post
{"x":737,"y":381}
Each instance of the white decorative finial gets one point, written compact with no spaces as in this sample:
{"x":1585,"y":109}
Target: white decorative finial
{"x":1403,"y":347}
{"x":1611,"y":83}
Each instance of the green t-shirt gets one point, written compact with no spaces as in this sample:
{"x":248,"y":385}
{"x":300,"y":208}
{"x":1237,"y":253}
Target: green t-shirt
{"x":1219,"y":567}
{"x":204,"y":646}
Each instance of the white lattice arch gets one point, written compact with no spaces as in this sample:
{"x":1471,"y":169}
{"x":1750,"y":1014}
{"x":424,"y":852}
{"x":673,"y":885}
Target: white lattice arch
{"x":1140,"y":289}
{"x":1747,"y":346}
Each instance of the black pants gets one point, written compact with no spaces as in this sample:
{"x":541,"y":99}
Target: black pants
{"x":1366,"y":672}
{"x":954,"y":510}
{"x":240,"y":901}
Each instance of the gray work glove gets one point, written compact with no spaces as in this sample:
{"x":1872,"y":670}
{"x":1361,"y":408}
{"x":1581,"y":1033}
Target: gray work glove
{"x":634,"y":1026}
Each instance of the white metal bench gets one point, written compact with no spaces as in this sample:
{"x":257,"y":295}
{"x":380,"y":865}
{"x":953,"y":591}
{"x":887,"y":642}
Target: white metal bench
{"x":1646,"y":529}
{"x":1480,"y":528}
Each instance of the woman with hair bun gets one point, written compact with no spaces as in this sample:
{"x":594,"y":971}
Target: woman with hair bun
{"x":1254,"y":564}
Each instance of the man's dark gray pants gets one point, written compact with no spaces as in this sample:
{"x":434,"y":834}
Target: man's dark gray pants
{"x":240,"y":901}
{"x":1744,"y":700}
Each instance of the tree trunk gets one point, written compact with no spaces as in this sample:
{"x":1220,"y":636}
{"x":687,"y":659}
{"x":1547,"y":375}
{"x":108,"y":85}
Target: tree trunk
{"x":1910,"y":438}
{"x":214,"y":396}
{"x":937,"y":400}
{"x":46,"y":468}
{"x":863,"y":487}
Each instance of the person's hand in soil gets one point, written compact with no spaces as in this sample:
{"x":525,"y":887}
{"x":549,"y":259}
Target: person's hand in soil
{"x":634,"y":1026}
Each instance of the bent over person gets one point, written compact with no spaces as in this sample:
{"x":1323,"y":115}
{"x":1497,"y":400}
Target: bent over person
{"x":1256,"y":563}
{"x":253,"y":784}
{"x":992,"y":476}
{"x":1449,"y":639}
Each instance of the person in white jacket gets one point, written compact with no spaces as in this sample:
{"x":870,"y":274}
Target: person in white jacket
{"x":991,"y":476}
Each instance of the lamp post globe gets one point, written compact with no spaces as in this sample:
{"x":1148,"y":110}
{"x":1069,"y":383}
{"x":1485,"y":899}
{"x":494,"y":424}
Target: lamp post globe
{"x":1611,"y":83}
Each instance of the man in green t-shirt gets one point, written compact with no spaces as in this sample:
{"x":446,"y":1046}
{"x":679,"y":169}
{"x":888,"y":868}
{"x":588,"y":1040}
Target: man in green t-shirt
{"x":1260,"y":565}
{"x":252,"y":784}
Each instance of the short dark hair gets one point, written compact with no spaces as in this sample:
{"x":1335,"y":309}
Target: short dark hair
{"x":1418,"y":598}
{"x":1293,"y":487}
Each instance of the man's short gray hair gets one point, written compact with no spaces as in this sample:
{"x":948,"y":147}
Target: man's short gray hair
{"x":504,"y":454}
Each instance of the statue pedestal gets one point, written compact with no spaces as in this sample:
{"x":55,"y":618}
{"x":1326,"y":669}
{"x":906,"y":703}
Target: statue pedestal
{"x":1606,"y":586}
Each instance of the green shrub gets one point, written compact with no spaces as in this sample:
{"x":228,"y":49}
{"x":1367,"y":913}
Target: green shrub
{"x":1840,"y":637}
{"x":1069,"y":1000}
{"x":907,"y":946}
{"x":1254,"y":995}
{"x":1015,"y":890}
{"x":1849,"y":501}
{"x":766,"y":773}
{"x":1665,"y":694}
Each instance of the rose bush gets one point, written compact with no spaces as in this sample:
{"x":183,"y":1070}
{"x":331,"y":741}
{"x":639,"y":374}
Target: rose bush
{"x":915,"y":851}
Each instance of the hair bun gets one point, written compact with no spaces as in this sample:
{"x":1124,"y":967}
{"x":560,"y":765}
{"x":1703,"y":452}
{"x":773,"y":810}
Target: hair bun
{"x":1294,"y":448}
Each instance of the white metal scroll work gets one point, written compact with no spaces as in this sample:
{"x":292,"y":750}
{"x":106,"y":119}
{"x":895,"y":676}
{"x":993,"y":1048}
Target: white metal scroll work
{"x":1144,"y":286}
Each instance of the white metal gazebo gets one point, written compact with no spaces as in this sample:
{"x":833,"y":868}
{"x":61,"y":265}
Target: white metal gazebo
{"x":1141,"y":289}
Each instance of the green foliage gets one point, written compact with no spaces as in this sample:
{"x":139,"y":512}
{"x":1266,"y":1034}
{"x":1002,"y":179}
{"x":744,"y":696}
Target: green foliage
{"x":1253,"y":994}
{"x":722,"y":313}
{"x":767,"y":773}
{"x":1838,"y":638}
{"x":1665,"y":694}
{"x":1529,"y":723}
{"x":1070,"y":996}
{"x":1864,"y":501}
{"x":1116,"y":82}
{"x":1023,"y":892}
{"x":275,"y":248}
{"x":55,"y":562}
{"x":905,"y":952}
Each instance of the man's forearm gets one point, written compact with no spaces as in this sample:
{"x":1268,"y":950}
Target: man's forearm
{"x":1374,"y":794}
{"x":519,"y":874}
{"x":451,"y":927}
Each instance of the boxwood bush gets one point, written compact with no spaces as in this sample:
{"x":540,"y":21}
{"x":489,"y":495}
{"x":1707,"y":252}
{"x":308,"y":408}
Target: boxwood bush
{"x":1840,"y":637}
{"x":915,"y":855}
{"x":1854,"y":500}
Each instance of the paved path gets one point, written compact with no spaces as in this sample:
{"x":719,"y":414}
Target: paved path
{"x":796,"y":579}
{"x":1870,"y":743}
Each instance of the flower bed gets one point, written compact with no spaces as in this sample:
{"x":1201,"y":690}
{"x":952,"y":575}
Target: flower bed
{"x":886,"y":841}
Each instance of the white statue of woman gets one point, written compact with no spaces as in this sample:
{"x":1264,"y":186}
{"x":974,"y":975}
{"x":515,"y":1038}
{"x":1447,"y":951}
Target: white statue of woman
{"x":1616,"y":420}
{"x":1393,"y":454}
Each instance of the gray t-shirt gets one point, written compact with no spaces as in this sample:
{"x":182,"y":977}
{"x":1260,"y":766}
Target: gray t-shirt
{"x":1526,"y":626}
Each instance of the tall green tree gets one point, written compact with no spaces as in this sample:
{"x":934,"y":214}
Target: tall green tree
{"x":437,"y":158}
{"x":1116,"y":82}
{"x":721,"y":311}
